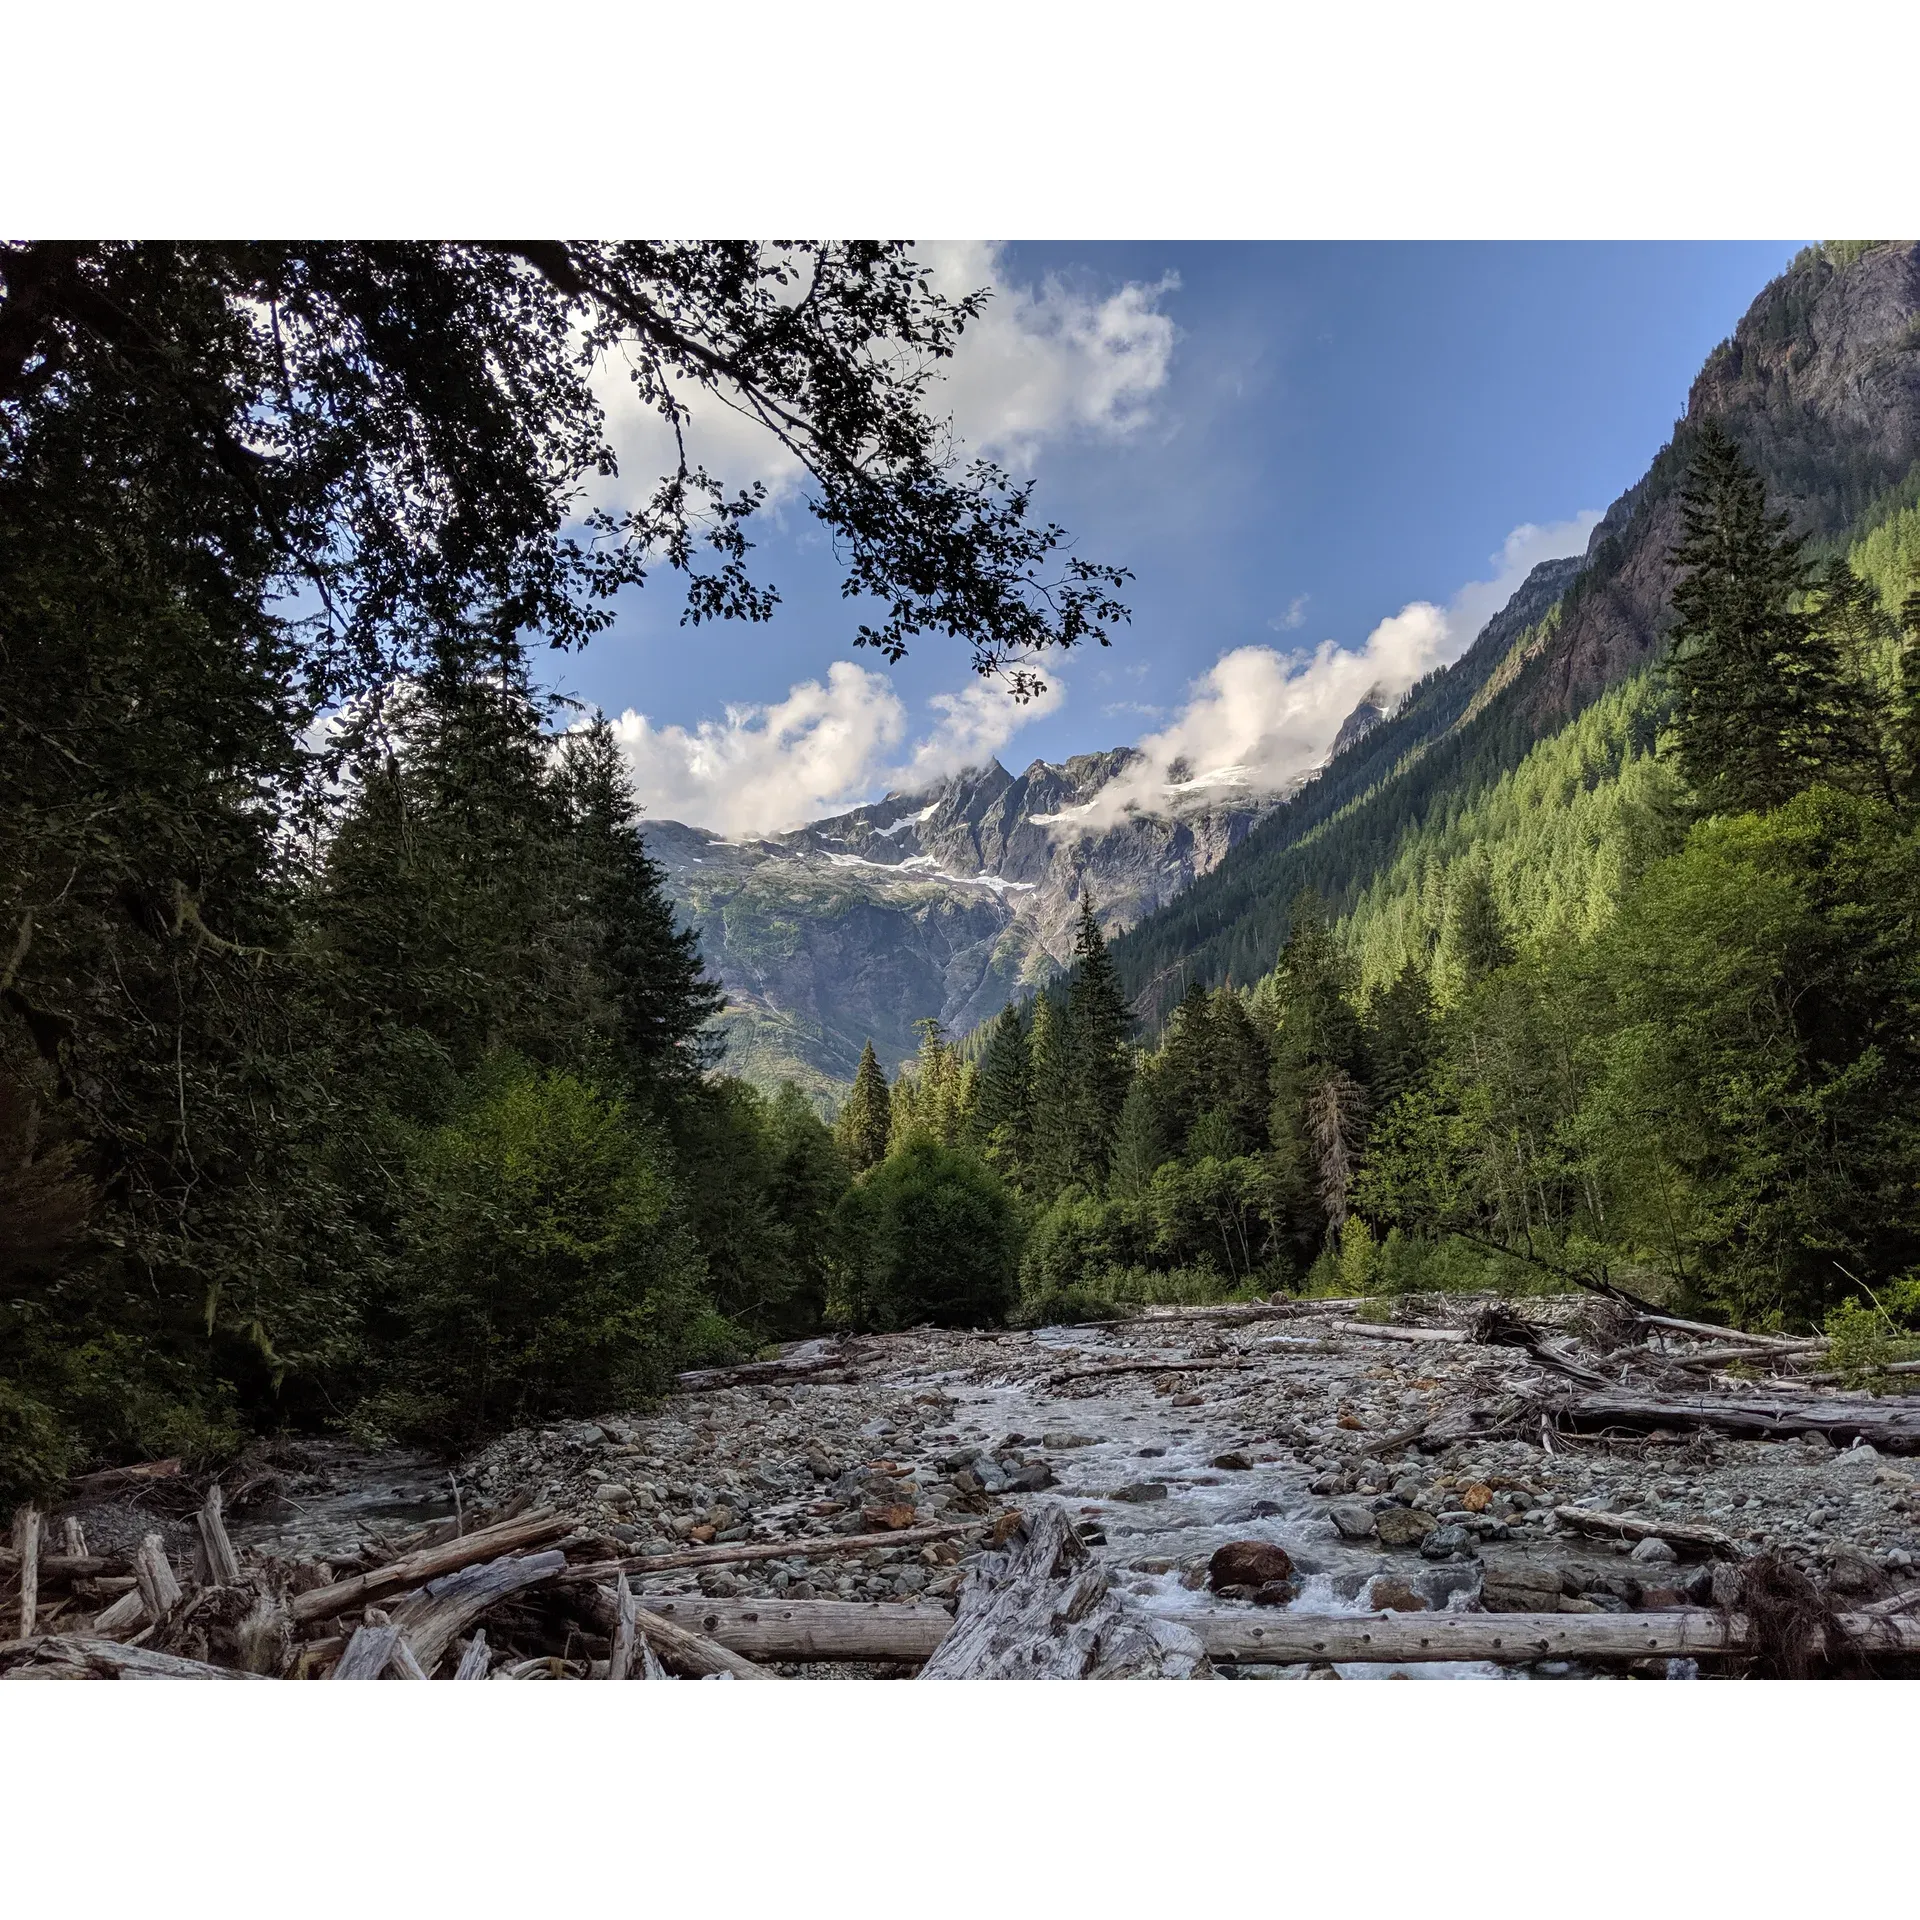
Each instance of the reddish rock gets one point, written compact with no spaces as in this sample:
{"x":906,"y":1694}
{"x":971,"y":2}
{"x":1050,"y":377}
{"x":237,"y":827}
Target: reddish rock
{"x":1390,"y":1595}
{"x":888,"y":1519}
{"x":1248,"y":1563}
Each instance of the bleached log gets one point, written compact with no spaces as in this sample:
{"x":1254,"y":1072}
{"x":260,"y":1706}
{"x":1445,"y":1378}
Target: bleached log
{"x":533,"y":1529}
{"x":124,"y":1616}
{"x":693,"y":1653}
{"x":1706,"y":1331}
{"x":112,"y":1661}
{"x":1108,"y":1369}
{"x":368,"y":1652}
{"x":159,"y":1589}
{"x":433,"y":1619}
{"x":474,"y":1657}
{"x":803,"y":1547}
{"x":1891,"y":1424}
{"x":1045,"y":1611}
{"x":223,"y":1564}
{"x":26,"y":1549}
{"x":807,"y":1630}
{"x":73,"y":1539}
{"x":1696,"y":1535}
{"x":1443,"y":1336}
{"x":626,"y":1635}
{"x":1279,"y":1638}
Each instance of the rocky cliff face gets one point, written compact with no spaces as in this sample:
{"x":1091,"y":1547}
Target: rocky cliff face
{"x":945,"y":902}
{"x":1820,"y":385}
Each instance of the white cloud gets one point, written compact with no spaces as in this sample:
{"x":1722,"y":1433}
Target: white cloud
{"x":1042,"y":361}
{"x":1258,"y":719}
{"x":1295,"y":616}
{"x":763,"y":769}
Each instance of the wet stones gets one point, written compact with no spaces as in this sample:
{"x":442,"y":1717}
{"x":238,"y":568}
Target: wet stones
{"x":1251,"y":1564}
{"x":1351,"y":1520}
{"x":1233,"y":1463}
{"x":1141,"y":1493}
{"x":1443,"y":1543}
{"x":1390,"y":1594}
{"x":1653,"y":1550}
{"x":1403,"y":1526}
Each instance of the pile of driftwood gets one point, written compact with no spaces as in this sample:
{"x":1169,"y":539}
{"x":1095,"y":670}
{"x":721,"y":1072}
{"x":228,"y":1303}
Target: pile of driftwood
{"x":1041,"y":1609}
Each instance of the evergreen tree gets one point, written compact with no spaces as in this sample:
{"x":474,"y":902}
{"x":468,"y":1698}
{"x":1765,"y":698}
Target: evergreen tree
{"x":866,"y":1120}
{"x":1762,"y":705}
{"x":1099,"y":1023}
{"x":1002,"y":1117}
{"x":1237,"y":1076}
{"x":1183,"y":1083}
{"x":1138,"y":1143}
{"x":1477,"y":942}
{"x":1906,"y":728}
{"x":1400,"y":1038}
{"x":661,"y":998}
{"x":1050,"y":1160}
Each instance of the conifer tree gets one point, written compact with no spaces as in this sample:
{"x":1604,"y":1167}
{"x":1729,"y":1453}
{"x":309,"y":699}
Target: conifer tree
{"x":1099,"y":1024}
{"x":1400,"y":1038}
{"x":867,"y":1118}
{"x":1138,"y":1145}
{"x":1183,"y":1083}
{"x":1477,"y":942}
{"x":1238,"y":1065}
{"x":1764,"y":707}
{"x":1002,"y":1117}
{"x":1050,"y":1158}
{"x":1906,"y":728}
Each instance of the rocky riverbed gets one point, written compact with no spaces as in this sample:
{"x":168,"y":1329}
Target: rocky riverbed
{"x":1284,"y":1457}
{"x":1266,"y":1431}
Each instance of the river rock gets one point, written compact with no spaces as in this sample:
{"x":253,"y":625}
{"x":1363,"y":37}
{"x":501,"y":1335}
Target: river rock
{"x":1390,"y":1594}
{"x":1442,"y":1543}
{"x":1652,"y":1550}
{"x":1141,"y":1493}
{"x":1353,"y":1521}
{"x":1232,"y":1462}
{"x":1249,"y":1563}
{"x":1403,"y":1526}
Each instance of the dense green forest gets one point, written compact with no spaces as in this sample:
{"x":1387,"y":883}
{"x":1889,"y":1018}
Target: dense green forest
{"x":352,"y":1072}
{"x":1642,"y":1014}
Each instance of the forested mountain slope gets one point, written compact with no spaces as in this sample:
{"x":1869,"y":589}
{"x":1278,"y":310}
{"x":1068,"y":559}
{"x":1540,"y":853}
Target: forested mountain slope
{"x":1820,"y":384}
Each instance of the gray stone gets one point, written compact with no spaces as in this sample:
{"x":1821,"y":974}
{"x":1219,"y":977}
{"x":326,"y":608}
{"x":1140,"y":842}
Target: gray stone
{"x":1141,"y":1493}
{"x":1444,"y":1542}
{"x":1653,"y":1550}
{"x":1353,"y":1522}
{"x":1403,"y":1526}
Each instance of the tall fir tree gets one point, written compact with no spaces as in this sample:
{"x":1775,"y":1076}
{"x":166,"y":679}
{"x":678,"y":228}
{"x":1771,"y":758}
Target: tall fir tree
{"x":1002,"y":1119}
{"x":1477,"y":942}
{"x":661,"y":998}
{"x":1907,"y":715}
{"x":866,"y":1120}
{"x":1099,"y":1025}
{"x":1763,"y":706}
{"x":1050,"y":1154}
{"x":1238,"y":1074}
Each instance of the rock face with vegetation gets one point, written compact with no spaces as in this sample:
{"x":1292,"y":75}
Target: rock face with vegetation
{"x":944,"y":902}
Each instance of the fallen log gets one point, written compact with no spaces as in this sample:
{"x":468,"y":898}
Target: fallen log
{"x":908,"y":1632}
{"x":1044,"y":1610}
{"x":1706,"y":1331}
{"x":693,"y":1653}
{"x":1720,"y":1356}
{"x":533,"y":1529}
{"x":113,"y":1661}
{"x":1696,"y":1535}
{"x":125,"y":1616}
{"x":1891,"y":1424}
{"x":626,"y":1631}
{"x":757,"y":1373}
{"x":435,"y":1617}
{"x":1107,"y":1369}
{"x":1367,"y":1330}
{"x":805,"y":1547}
{"x":474,"y":1658}
{"x":1829,"y":1379}
{"x":1290,"y":1639}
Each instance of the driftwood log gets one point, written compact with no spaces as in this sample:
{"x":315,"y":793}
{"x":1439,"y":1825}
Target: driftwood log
{"x":435,"y":1617}
{"x":223,"y":1564}
{"x":1439,"y":1336}
{"x":1694,"y":1536}
{"x":799,"y":1630}
{"x":1108,"y":1368}
{"x":109,"y":1660}
{"x":805,"y":1547}
{"x":1045,"y":1611}
{"x":1893,"y":1425}
{"x":533,"y":1529}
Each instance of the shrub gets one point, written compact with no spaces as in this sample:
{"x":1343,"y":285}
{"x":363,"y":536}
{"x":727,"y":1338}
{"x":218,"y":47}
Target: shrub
{"x":35,"y":1451}
{"x":931,"y":1234}
{"x":550,"y":1272}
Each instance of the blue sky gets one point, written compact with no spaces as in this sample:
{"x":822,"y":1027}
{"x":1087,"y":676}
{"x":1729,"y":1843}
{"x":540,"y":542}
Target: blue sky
{"x":1288,"y":444}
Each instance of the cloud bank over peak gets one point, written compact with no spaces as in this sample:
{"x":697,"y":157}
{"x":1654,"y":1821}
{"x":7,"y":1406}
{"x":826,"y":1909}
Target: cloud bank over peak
{"x":766,"y":768}
{"x":1259,"y":719}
